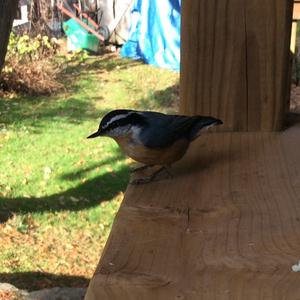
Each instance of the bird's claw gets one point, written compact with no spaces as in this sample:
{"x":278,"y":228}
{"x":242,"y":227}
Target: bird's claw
{"x":141,"y":168}
{"x":141,"y":180}
{"x":152,"y":177}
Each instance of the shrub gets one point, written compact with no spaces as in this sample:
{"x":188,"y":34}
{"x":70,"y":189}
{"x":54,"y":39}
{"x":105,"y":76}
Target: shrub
{"x":29,"y":67}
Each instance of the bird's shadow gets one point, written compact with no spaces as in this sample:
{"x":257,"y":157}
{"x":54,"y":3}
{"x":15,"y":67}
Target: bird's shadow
{"x":87,"y":194}
{"x":32,"y":281}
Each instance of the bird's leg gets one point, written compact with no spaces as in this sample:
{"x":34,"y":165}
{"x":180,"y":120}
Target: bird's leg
{"x":151,"y":177}
{"x":168,"y":171}
{"x":148,"y":178}
{"x":141,"y":168}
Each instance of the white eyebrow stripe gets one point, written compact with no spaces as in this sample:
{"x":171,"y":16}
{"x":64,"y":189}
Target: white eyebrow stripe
{"x":115,"y":118}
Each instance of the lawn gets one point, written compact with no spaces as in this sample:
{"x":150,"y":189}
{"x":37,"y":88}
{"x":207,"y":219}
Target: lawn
{"x":59,"y":192}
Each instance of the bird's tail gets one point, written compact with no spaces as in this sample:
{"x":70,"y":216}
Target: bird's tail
{"x":201,"y":124}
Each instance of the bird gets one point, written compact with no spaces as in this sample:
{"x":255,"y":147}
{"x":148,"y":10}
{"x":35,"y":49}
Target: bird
{"x":152,"y":138}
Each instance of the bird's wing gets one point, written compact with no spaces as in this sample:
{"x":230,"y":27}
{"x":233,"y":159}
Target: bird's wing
{"x":162,"y":131}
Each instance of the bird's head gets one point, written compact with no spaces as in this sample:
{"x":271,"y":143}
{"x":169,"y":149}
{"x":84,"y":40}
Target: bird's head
{"x":119,"y":123}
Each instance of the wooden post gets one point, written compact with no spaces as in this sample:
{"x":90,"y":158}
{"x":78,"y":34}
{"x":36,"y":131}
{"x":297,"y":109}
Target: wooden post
{"x":235,"y":61}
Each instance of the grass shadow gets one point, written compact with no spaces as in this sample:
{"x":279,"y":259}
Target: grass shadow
{"x":35,"y":112}
{"x":105,"y":63}
{"x":167,"y":98}
{"x":79,"y":102}
{"x":88,"y":194}
{"x":32,"y":281}
{"x":75,"y":105}
{"x":70,"y":72}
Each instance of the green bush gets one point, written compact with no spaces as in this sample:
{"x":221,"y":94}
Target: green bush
{"x":29,"y":67}
{"x":25,"y":48}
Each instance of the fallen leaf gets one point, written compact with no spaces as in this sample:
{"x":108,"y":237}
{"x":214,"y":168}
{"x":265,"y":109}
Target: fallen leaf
{"x":73,"y":199}
{"x":47,"y":170}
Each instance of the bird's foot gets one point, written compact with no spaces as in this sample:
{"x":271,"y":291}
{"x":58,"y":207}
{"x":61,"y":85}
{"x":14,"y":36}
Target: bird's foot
{"x":141,"y":180}
{"x":151,"y":177}
{"x":141,"y":168}
{"x":168,"y":171}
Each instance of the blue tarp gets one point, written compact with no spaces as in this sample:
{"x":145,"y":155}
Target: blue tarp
{"x":155,"y":33}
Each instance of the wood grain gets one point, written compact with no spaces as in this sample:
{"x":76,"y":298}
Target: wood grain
{"x":268,"y":38}
{"x":235,"y":60}
{"x":227,"y":226}
{"x":212,"y":52}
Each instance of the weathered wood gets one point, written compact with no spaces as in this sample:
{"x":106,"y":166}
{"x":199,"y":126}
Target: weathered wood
{"x":227,"y":226}
{"x":235,"y":58}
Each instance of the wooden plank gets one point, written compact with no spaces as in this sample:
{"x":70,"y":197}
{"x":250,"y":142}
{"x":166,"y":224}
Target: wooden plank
{"x":227,"y":226}
{"x":211,"y":53}
{"x":237,"y":68}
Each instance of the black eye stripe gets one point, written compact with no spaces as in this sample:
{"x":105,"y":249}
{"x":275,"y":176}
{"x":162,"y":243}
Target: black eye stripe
{"x":131,"y":119}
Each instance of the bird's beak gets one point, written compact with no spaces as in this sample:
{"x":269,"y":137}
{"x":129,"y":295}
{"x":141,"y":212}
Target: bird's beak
{"x":98,"y":133}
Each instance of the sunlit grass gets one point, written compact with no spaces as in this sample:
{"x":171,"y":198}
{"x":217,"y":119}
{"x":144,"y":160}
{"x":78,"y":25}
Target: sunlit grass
{"x":59,"y":192}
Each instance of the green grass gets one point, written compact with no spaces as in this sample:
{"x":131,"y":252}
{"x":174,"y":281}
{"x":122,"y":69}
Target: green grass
{"x":59,"y":192}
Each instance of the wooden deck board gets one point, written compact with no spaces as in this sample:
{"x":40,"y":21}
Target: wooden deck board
{"x":227,"y":226}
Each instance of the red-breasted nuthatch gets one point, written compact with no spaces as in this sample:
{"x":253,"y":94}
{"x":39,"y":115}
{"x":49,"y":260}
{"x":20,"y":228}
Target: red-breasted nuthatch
{"x":153,"y":138}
